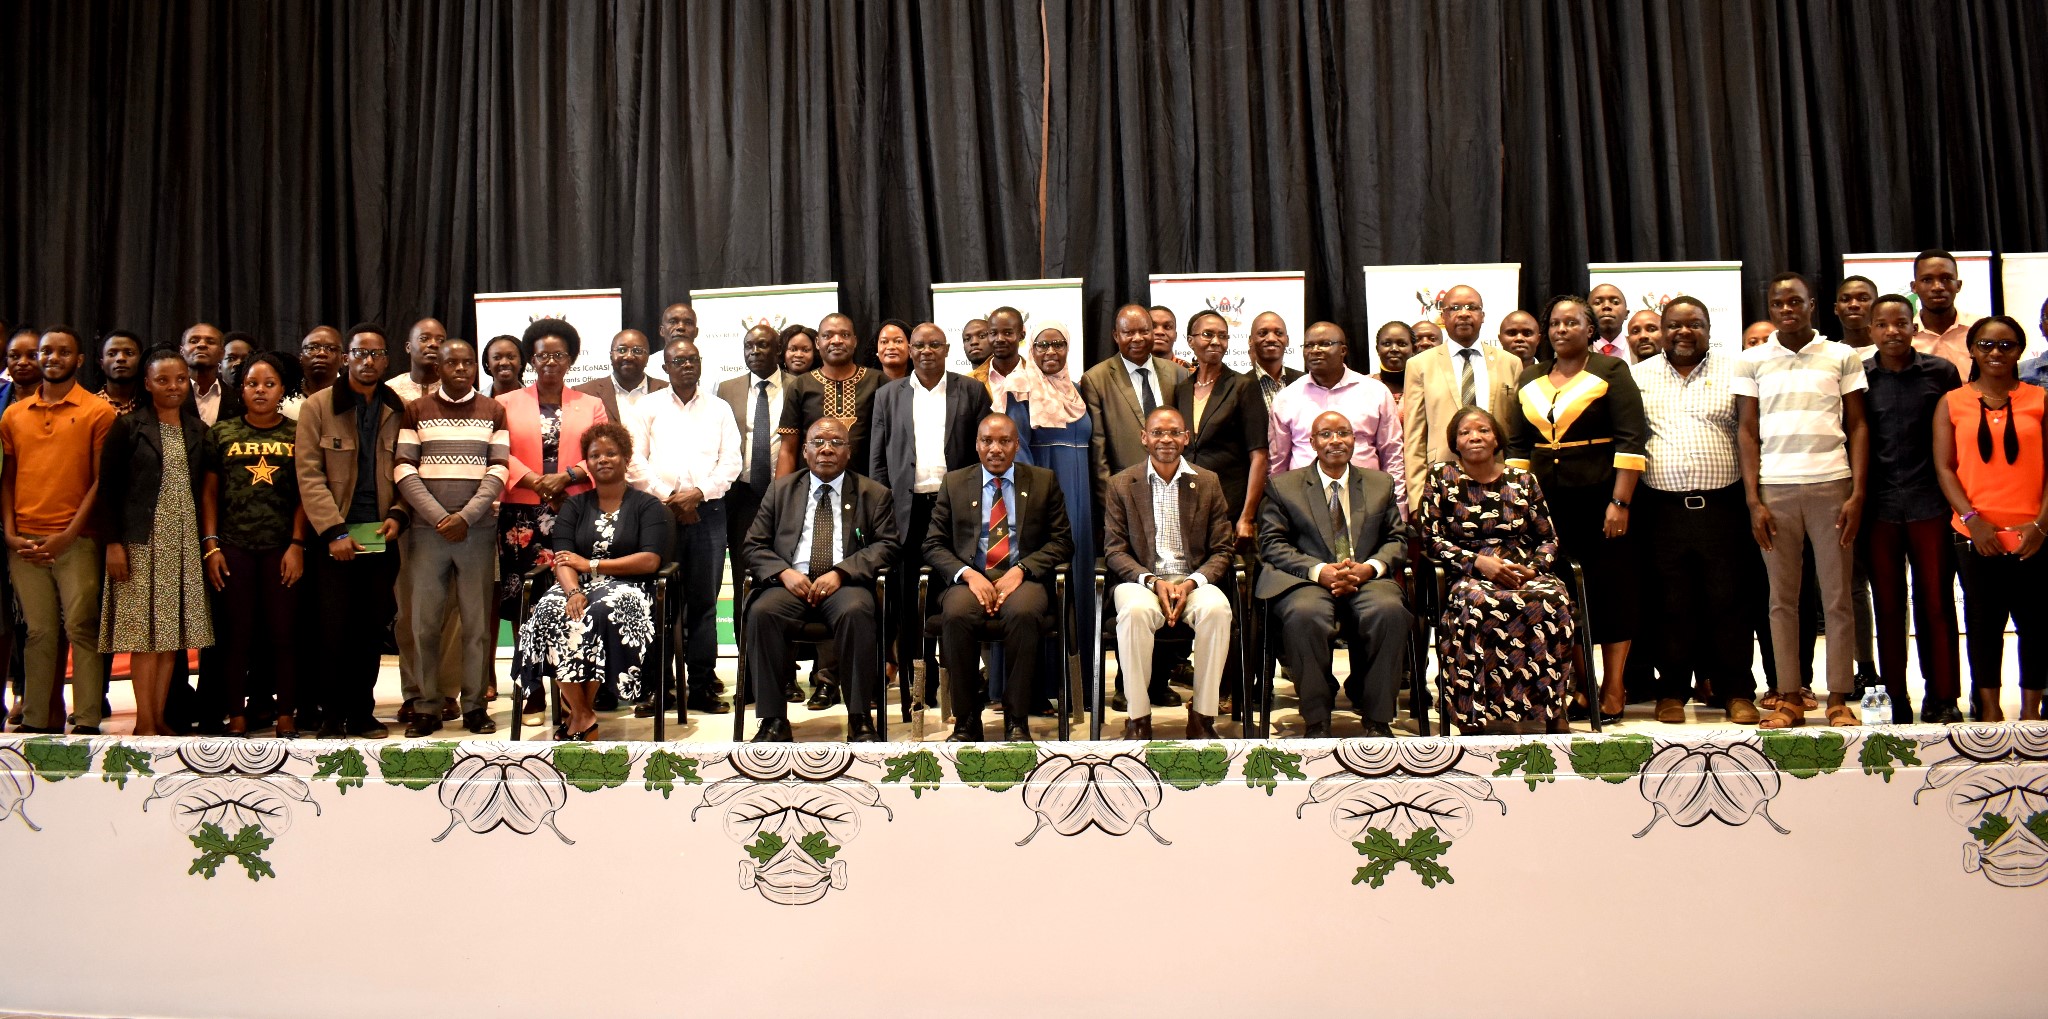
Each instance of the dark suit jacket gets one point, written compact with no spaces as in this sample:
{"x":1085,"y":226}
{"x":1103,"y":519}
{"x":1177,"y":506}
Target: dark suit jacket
{"x":1130,"y":534}
{"x":1609,"y":408}
{"x":866,"y":524}
{"x":738,"y":393}
{"x":892,"y":439}
{"x":1040,"y":533}
{"x":1294,"y":526}
{"x":131,"y":473}
{"x":607,"y":390}
{"x":1233,"y":428}
{"x":1118,"y":439}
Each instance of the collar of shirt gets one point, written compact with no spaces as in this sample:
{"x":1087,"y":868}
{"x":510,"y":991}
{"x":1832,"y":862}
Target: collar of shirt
{"x":1132,"y":370}
{"x":1352,"y":377}
{"x":209,"y":391}
{"x":622,"y":389}
{"x":1775,"y":347}
{"x":1180,"y":468}
{"x":445,"y":398}
{"x":1918,"y":364}
{"x":71,"y":396}
{"x":1009,"y":477}
{"x":935,"y":390}
{"x":838,"y":485}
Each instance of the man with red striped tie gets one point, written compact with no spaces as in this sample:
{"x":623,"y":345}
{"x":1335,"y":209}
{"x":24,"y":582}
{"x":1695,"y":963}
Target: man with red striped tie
{"x":1610,"y":317}
{"x":998,"y":530}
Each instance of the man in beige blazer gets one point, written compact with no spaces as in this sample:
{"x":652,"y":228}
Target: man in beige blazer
{"x":1116,"y":406}
{"x":1435,"y":387}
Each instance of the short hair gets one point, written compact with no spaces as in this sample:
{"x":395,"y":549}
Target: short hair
{"x":1207,"y":313}
{"x":1891,"y":299}
{"x":542,"y":328}
{"x":1788,"y":276}
{"x":1543,"y":325}
{"x":608,"y":430}
{"x":1705,"y":315}
{"x":121,"y":334}
{"x":1865,"y":280}
{"x":287,"y":368}
{"x":245,"y":337}
{"x":1500,"y":437}
{"x":1933,"y":253}
{"x":156,"y":354}
{"x":452,"y":340}
{"x":1395,"y":324}
{"x":66,"y":330}
{"x":505,"y":338}
{"x":364,"y":327}
{"x":1164,"y":308}
{"x":1006,"y":309}
{"x":897,"y":322}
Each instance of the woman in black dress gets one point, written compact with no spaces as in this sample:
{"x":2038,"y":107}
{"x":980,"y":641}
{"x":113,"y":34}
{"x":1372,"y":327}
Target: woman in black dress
{"x":1581,"y":431}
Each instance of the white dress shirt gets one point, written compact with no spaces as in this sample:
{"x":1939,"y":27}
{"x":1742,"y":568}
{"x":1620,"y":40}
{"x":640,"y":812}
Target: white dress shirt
{"x":207,"y":400}
{"x":1315,"y":573}
{"x":630,"y":398}
{"x":679,"y":445}
{"x":746,"y":424}
{"x":928,"y":430}
{"x":838,"y":485}
{"x":1480,"y":376}
{"x":1138,"y":386}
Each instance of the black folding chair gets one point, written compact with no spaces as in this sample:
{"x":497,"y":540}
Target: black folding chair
{"x":1062,"y":610}
{"x":1105,"y":633}
{"x":1580,"y":678}
{"x":1418,"y":641}
{"x":812,"y":632}
{"x":535,"y":582}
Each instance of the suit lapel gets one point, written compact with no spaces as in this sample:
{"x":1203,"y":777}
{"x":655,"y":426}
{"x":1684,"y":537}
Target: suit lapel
{"x":1356,"y":515}
{"x":1318,"y":498}
{"x":1192,"y":522}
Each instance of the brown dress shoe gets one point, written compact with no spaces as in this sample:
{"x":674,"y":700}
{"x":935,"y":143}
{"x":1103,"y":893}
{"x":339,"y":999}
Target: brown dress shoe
{"x":1671,"y":710}
{"x":1138,"y":728}
{"x":1201,"y":726}
{"x":1742,"y":711}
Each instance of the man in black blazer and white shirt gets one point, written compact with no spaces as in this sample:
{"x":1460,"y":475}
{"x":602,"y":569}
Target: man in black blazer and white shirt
{"x":924,"y":427}
{"x":997,"y":566}
{"x":1332,"y":538}
{"x":818,"y":542}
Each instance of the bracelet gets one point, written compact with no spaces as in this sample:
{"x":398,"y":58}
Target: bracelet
{"x":210,"y":553}
{"x":1972,"y":515}
{"x":204,"y":538}
{"x":300,"y":542}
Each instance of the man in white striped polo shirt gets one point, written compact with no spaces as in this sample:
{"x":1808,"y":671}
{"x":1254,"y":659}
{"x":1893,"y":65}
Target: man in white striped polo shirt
{"x":450,"y":466}
{"x":1804,"y":449}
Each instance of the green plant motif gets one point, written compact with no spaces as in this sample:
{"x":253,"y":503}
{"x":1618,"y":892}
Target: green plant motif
{"x":1806,"y":756}
{"x":55,"y":760}
{"x":996,"y":770}
{"x":1264,"y":766}
{"x":1384,"y":853}
{"x":121,"y":763}
{"x":346,"y":766}
{"x":1880,"y":749}
{"x":418,"y":768}
{"x":1533,"y":760}
{"x":1613,"y":760}
{"x":1995,"y":825}
{"x":765,"y":846}
{"x":590,"y":769}
{"x":818,"y":847}
{"x":921,"y":767}
{"x":246,"y":847}
{"x":1185,"y":767}
{"x":665,"y":769}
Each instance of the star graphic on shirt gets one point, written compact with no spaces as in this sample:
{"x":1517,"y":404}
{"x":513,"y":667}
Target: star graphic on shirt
{"x":260,"y":472}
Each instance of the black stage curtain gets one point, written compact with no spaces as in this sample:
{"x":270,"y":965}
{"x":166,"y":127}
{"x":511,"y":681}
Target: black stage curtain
{"x":269,"y":166}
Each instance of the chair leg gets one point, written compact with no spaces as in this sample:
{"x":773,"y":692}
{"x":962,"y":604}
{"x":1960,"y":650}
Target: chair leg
{"x":1060,"y":608}
{"x":1099,"y":675}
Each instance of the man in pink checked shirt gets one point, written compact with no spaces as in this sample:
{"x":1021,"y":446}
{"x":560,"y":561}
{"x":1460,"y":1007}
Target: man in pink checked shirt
{"x":1332,"y":385}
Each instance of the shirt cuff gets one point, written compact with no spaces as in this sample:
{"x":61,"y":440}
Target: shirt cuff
{"x":961,"y":572}
{"x":1198,"y":579}
{"x":1315,"y":573}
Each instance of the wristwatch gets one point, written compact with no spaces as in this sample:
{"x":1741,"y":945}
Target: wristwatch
{"x":1623,"y":503}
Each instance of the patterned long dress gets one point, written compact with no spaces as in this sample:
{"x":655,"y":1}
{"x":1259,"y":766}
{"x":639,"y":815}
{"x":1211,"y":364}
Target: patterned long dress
{"x":162,"y":605}
{"x":610,"y":642}
{"x":1501,"y":653}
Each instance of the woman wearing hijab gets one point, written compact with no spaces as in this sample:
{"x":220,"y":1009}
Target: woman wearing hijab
{"x":1053,"y":425}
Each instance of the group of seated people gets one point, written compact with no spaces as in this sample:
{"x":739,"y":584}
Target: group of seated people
{"x":1713,"y":499}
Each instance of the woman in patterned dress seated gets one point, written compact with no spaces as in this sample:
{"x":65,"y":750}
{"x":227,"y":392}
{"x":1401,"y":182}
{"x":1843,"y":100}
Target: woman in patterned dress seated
{"x":1506,"y":634}
{"x":597,"y":623}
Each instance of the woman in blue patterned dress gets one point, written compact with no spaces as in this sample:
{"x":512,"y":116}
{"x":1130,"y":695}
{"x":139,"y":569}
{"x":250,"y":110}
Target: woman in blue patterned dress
{"x":1040,"y":396}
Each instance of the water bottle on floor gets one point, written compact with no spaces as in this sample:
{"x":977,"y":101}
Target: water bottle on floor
{"x":1877,"y":706}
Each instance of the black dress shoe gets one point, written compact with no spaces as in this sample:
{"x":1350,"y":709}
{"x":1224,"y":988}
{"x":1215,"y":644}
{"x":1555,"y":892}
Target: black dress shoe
{"x":964,"y":733}
{"x":369,"y":728}
{"x":1118,"y":703}
{"x":479,"y":722}
{"x":330,"y":728}
{"x":822,"y":697}
{"x":1166,"y":697}
{"x":1378,"y":730}
{"x":606,"y":700}
{"x":1016,"y":732}
{"x":1316,"y":730}
{"x":774,"y":730}
{"x":792,"y":693}
{"x":717,"y":685}
{"x":1940,"y":711}
{"x":451,"y":709}
{"x":705,"y":702}
{"x":85,"y":730}
{"x":422,"y":726}
{"x":861,"y":729}
{"x":643,"y":708}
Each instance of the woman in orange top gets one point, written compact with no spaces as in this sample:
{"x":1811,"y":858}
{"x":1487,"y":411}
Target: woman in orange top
{"x":1989,"y":457}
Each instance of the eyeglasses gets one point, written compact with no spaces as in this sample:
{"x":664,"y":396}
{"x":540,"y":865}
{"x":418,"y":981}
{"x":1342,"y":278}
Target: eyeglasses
{"x":1166,"y":433}
{"x":629,"y":351}
{"x":1209,"y":334}
{"x":2001,"y":346}
{"x":1463,"y":307}
{"x":827,"y":443}
{"x":551,"y":357}
{"x":319,"y":348}
{"x":361,"y":354}
{"x":1048,"y":345}
{"x":1327,"y":434}
{"x":688,"y":359}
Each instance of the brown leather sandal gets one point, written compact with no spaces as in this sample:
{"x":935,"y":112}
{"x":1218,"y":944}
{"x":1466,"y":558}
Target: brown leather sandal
{"x":1842,"y":715}
{"x":1784,"y":717}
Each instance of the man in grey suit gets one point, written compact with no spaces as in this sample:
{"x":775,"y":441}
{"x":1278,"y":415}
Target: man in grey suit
{"x":756,"y":402}
{"x":1332,"y":538}
{"x":628,"y":383}
{"x":1120,"y":393}
{"x":923,"y":429}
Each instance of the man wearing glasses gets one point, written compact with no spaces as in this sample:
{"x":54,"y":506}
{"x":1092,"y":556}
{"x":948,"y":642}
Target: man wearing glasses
{"x":1448,"y":377}
{"x":629,"y":383}
{"x":686,"y":452}
{"x":346,"y":455}
{"x":1944,"y":329}
{"x":924,"y":429}
{"x":1333,"y":385}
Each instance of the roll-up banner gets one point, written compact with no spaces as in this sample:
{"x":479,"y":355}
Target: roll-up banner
{"x":1650,"y":285}
{"x":2025,"y":287}
{"x":1413,"y":293}
{"x":1038,"y":301}
{"x":1239,"y":298}
{"x":596,"y":314}
{"x":724,"y":316}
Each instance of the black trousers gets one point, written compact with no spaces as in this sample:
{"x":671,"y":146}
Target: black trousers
{"x":1700,"y":553}
{"x":906,"y":616}
{"x":775,"y":613}
{"x":1372,"y":621}
{"x":357,"y":602}
{"x":1995,"y":589}
{"x":700,"y":555}
{"x":1021,"y":625}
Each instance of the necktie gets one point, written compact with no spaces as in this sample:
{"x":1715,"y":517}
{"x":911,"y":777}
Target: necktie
{"x":1338,"y":524}
{"x":1149,"y":402}
{"x":761,"y":471}
{"x":998,"y":529}
{"x":822,"y":521}
{"x":1468,"y":395}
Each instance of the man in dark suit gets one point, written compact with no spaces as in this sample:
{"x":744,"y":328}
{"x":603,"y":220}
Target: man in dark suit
{"x":1169,"y":544}
{"x":628,"y":383}
{"x":1332,"y":539}
{"x":923,"y":429}
{"x":998,"y":530}
{"x":1119,"y":393}
{"x":818,"y":542}
{"x":1269,"y":348}
{"x":756,"y":401}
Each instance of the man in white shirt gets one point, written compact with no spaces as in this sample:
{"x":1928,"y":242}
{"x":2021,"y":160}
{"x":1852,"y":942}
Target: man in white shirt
{"x":686,"y":452}
{"x":629,"y":382}
{"x":423,"y":352}
{"x":202,"y":346}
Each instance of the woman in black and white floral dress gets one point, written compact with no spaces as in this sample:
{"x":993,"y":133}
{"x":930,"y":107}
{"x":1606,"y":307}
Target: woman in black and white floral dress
{"x":597,"y":623}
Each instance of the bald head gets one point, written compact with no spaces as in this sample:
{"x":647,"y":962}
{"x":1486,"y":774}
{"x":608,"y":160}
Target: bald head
{"x":1464,"y":312}
{"x":1331,"y":437}
{"x":1133,"y":333}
